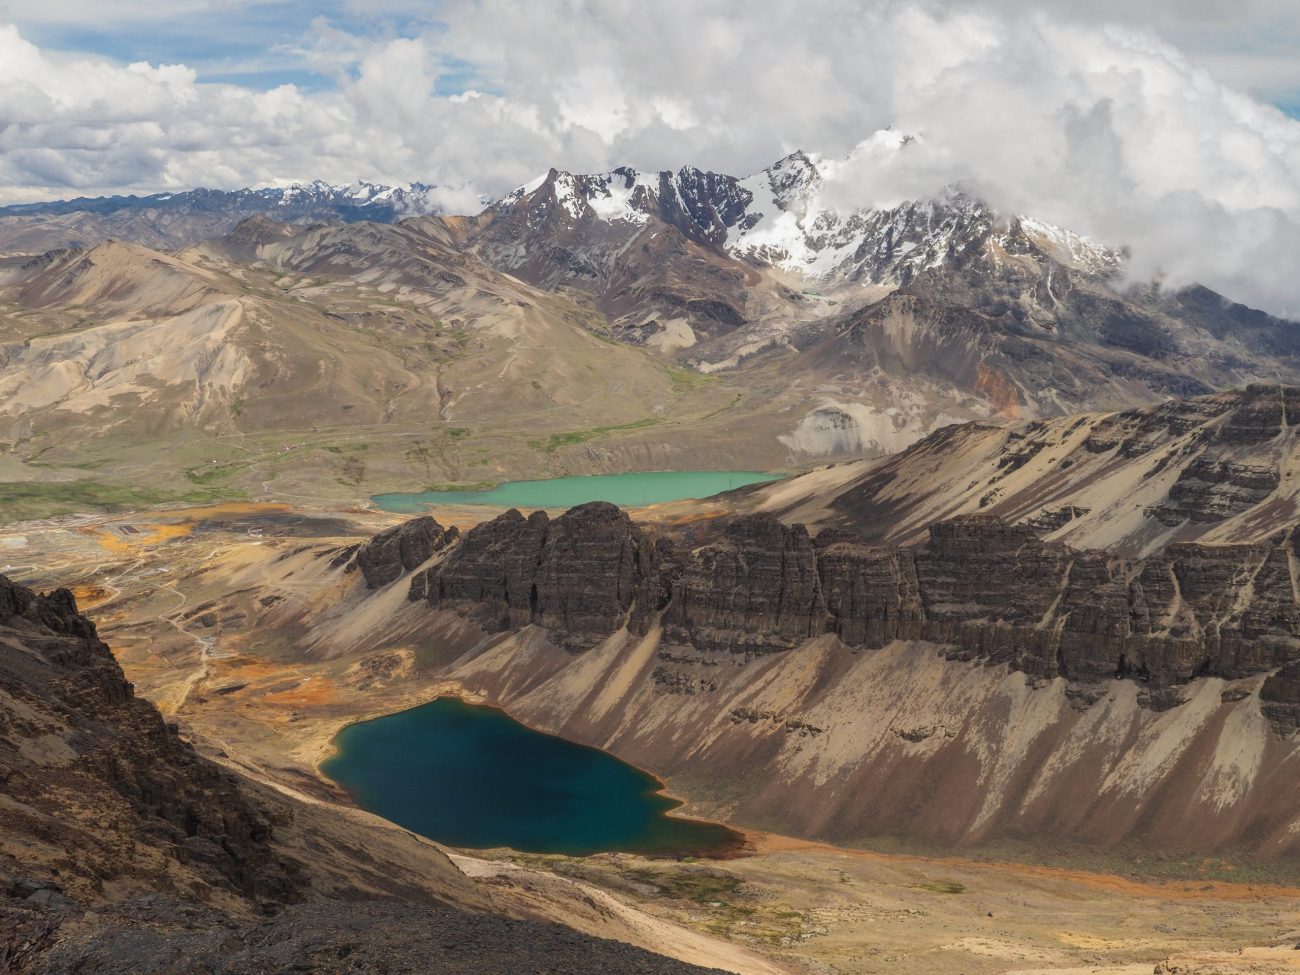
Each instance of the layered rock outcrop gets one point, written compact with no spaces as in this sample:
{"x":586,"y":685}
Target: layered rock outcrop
{"x":756,"y":590}
{"x":393,"y":553}
{"x":985,"y":589}
{"x":583,"y":575}
{"x":1279,"y":699}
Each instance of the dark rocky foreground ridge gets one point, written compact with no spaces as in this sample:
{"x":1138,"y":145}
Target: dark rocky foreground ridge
{"x":82,"y":757}
{"x":335,"y":938}
{"x":124,"y":851}
{"x":986,"y":590}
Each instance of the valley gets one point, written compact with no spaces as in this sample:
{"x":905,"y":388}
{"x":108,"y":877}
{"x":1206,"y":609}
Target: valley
{"x":599,"y":324}
{"x":243,"y":624}
{"x":985,"y":658}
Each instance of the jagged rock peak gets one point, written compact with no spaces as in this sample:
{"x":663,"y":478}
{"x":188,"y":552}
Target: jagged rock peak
{"x":583,"y":576}
{"x":402,"y":548}
{"x":789,"y":216}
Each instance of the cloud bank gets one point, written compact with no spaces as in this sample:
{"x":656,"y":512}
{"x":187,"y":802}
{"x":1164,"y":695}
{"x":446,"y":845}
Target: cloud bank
{"x":1086,"y":119}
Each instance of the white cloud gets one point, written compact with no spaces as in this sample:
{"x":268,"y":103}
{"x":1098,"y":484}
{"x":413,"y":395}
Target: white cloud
{"x":1079,"y":114}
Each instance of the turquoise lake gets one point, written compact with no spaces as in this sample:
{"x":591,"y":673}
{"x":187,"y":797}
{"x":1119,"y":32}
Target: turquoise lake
{"x":472,"y":776}
{"x":625,"y":490}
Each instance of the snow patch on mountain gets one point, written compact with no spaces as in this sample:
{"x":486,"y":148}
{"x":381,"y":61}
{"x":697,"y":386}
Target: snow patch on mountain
{"x":1068,"y":247}
{"x":613,"y":193}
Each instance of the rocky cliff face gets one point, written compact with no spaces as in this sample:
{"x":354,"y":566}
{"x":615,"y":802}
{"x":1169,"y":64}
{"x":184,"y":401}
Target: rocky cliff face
{"x":757,"y":590}
{"x":583,"y":576}
{"x":988,"y":590}
{"x":404,"y":547}
{"x":1280,"y":699}
{"x":98,"y":790}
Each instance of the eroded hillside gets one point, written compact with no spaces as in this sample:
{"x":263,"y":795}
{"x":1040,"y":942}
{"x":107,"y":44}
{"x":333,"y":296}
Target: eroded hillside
{"x":124,"y":850}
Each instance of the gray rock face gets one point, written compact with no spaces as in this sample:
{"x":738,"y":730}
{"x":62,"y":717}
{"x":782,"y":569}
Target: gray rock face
{"x":490,"y":575}
{"x":988,"y":590}
{"x":393,"y":553}
{"x":1280,"y":699}
{"x":581,"y":576}
{"x":871,"y":592}
{"x":1001,"y":593}
{"x":757,"y":590}
{"x":595,"y":566}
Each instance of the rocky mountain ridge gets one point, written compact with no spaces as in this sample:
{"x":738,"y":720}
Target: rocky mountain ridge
{"x":986,"y":590}
{"x":913,"y":297}
{"x":174,"y":220}
{"x":1218,"y":468}
{"x":780,"y":217}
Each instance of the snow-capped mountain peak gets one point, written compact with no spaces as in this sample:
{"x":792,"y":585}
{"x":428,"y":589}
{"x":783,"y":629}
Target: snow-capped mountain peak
{"x":604,"y":196}
{"x":805,"y":213}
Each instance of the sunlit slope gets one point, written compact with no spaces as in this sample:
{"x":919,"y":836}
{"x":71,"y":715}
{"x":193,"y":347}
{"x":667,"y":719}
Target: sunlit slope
{"x":334,"y":361}
{"x":1219,"y":469}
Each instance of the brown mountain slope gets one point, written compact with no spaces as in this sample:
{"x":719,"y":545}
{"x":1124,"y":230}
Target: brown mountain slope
{"x":124,"y":851}
{"x":374,"y":353}
{"x":1217,"y":468}
{"x":985,"y":692}
{"x":100,"y":794}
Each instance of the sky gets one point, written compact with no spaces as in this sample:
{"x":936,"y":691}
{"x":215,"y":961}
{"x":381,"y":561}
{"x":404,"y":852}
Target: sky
{"x":1167,"y":126}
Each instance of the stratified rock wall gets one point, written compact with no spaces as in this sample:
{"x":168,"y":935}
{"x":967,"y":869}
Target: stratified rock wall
{"x":392,"y":553}
{"x":989,"y":590}
{"x":580,"y":575}
{"x":756,"y":590}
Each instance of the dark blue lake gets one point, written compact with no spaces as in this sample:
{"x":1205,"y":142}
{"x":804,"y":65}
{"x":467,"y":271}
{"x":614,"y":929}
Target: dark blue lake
{"x":473,"y":777}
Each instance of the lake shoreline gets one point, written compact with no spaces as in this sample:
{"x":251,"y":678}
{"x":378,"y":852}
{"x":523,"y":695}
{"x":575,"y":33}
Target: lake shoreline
{"x":628,"y":490}
{"x":736,"y":843}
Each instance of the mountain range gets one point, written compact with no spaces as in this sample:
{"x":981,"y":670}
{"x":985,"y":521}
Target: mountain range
{"x":171,"y":220}
{"x":579,"y":324}
{"x":1030,"y":588}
